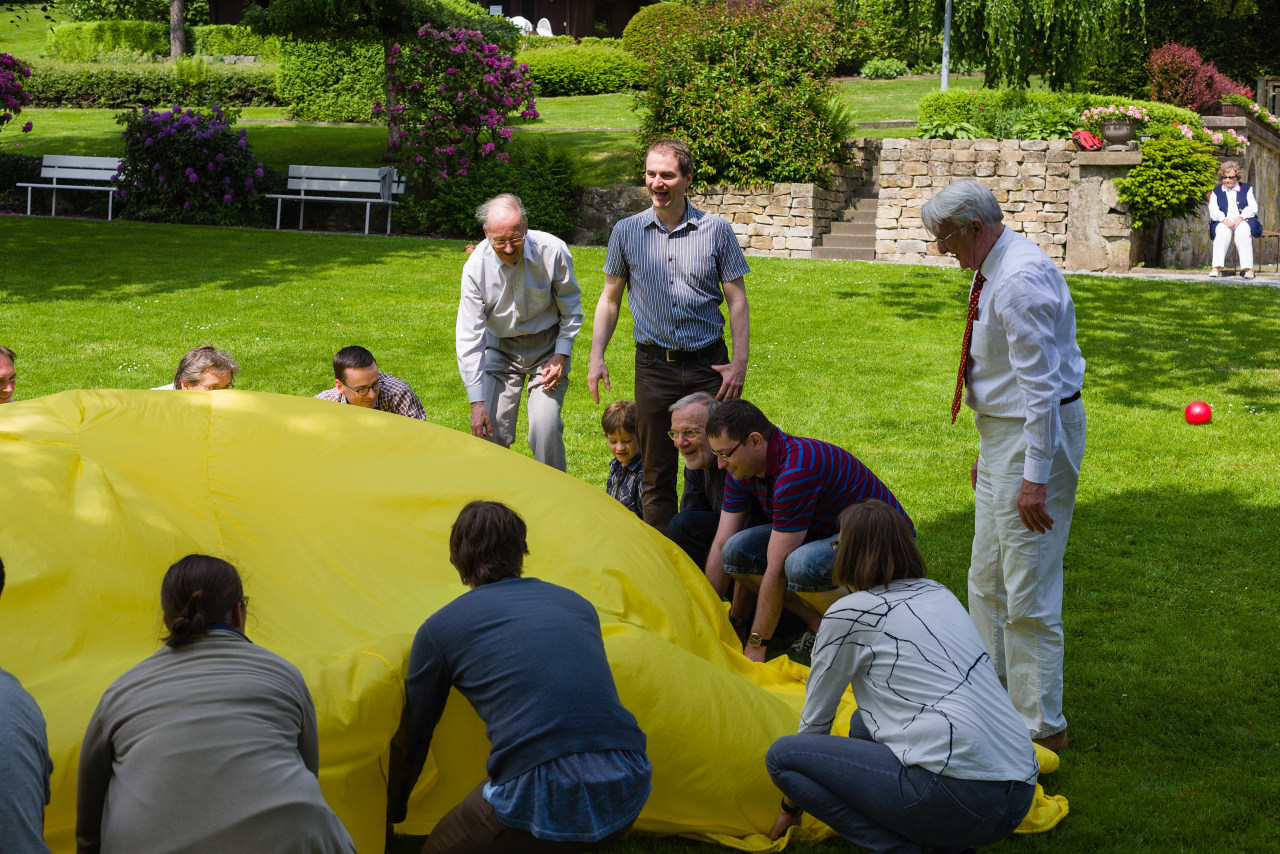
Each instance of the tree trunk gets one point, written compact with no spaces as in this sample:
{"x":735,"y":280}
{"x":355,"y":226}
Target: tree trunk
{"x":177,"y":29}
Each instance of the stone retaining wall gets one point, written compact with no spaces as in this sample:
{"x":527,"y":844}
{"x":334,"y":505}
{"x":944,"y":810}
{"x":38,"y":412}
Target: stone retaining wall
{"x":1030,"y":179}
{"x":781,"y":220}
{"x":1062,"y":199}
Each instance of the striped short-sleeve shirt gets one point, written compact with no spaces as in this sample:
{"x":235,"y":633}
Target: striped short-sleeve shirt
{"x":674,"y":277}
{"x":806,"y":485}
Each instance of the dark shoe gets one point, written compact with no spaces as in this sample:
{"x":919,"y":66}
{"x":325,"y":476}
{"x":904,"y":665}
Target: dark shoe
{"x":1056,"y":742}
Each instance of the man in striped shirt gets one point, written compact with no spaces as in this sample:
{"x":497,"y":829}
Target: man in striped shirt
{"x":803,"y":485}
{"x":679,"y":264}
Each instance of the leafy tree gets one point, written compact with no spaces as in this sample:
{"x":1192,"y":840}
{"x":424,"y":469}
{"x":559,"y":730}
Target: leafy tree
{"x":747,"y":88}
{"x":1014,"y":39}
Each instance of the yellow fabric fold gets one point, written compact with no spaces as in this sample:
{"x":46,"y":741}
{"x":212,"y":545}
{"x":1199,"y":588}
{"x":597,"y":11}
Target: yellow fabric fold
{"x":338,"y":518}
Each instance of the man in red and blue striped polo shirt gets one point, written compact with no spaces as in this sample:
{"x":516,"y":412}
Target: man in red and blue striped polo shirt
{"x":802,"y":485}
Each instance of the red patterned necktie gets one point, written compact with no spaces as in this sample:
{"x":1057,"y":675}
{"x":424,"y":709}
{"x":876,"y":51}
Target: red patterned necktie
{"x":974,"y":293}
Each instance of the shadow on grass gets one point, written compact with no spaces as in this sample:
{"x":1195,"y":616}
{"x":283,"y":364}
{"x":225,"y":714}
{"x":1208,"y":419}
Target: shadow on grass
{"x":1146,"y":337}
{"x":171,"y":258}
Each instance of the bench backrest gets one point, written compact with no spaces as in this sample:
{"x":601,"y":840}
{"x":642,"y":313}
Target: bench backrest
{"x":75,"y":167}
{"x":341,"y":179}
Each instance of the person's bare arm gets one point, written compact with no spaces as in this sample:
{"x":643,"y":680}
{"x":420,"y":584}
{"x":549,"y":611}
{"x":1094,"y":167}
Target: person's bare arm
{"x":602,"y":327}
{"x":735,"y":373}
{"x":773,"y":588}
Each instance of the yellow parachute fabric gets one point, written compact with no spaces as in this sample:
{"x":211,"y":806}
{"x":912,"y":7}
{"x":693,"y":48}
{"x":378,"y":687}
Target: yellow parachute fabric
{"x":338,"y":519}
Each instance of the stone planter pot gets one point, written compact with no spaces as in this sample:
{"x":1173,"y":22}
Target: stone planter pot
{"x":1118,"y":131}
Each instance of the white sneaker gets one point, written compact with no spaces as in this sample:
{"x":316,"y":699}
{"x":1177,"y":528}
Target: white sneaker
{"x":804,"y":644}
{"x":1248,"y":274}
{"x":1215,"y":273}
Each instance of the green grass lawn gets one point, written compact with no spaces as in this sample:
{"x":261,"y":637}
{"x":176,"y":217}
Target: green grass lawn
{"x":1172,"y":573}
{"x":24,"y":29}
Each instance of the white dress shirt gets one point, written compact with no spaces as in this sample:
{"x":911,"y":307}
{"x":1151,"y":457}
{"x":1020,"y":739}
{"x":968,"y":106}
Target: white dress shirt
{"x":1024,"y":358}
{"x":501,"y":300}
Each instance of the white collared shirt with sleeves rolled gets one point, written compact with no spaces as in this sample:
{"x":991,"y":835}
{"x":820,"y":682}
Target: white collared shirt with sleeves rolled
{"x":1024,"y":358}
{"x":501,"y":300}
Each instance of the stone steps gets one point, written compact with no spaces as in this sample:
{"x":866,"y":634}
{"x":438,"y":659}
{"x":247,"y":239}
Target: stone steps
{"x":853,"y":237}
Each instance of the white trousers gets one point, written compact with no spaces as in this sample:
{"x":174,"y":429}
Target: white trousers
{"x":1244,"y":244}
{"x":511,"y":371}
{"x":1015,"y":575}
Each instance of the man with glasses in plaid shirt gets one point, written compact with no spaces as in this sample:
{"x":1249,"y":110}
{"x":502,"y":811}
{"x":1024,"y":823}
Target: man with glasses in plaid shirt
{"x":358,"y":381}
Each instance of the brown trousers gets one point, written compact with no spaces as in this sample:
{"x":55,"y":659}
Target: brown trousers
{"x":472,"y":827}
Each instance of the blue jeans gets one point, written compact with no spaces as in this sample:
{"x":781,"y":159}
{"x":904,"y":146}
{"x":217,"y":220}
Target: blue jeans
{"x":861,"y":790}
{"x":808,"y":568}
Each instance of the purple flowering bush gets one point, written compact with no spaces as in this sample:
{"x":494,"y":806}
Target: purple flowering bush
{"x":189,"y":166}
{"x":13,"y":95}
{"x":453,"y":91}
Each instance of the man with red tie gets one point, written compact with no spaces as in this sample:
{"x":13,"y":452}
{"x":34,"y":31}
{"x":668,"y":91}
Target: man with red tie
{"x":1024,"y":372}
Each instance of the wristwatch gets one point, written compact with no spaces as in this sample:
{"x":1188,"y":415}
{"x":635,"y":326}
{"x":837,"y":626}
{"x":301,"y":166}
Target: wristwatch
{"x":754,"y":639}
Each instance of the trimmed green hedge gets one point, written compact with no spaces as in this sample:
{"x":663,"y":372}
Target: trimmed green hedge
{"x":544,"y":177}
{"x":334,"y":80}
{"x":582,"y":70}
{"x":86,"y":41}
{"x":118,"y":86}
{"x":987,"y":109}
{"x":231,"y":40}
{"x":651,"y":29}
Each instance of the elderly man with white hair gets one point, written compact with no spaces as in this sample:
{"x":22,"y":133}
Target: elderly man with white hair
{"x":1024,"y":373}
{"x":519,"y":314}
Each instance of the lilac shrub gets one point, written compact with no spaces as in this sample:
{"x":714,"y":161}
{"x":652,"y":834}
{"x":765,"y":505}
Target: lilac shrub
{"x":452,"y":92}
{"x":188,"y":167}
{"x":13,"y":97}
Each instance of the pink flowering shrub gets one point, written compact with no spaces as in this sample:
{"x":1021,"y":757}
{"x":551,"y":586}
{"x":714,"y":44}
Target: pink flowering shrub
{"x":188,"y":167}
{"x":13,"y":97}
{"x":453,"y":92}
{"x":1179,"y":76}
{"x":1093,"y":118}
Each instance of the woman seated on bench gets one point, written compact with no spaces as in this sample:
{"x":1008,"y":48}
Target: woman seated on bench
{"x":1233,"y":215}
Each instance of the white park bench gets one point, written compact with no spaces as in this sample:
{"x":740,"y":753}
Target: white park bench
{"x":366,"y":186}
{"x":75,"y":172}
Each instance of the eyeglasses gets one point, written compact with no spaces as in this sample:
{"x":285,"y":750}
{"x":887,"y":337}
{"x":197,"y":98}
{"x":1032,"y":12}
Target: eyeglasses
{"x":365,"y":389}
{"x":728,"y":453}
{"x":508,"y":245}
{"x":942,"y":241}
{"x":1230,"y":177}
{"x":5,"y":382}
{"x":687,"y":434}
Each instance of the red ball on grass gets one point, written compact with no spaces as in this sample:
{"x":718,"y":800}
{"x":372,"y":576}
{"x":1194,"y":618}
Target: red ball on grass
{"x":1198,"y":412}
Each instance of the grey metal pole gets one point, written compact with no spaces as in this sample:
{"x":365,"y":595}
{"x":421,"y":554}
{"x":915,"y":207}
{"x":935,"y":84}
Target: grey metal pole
{"x":946,"y":47}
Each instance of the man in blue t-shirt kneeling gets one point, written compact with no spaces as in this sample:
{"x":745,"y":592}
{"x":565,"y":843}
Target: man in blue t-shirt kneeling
{"x":567,"y":769}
